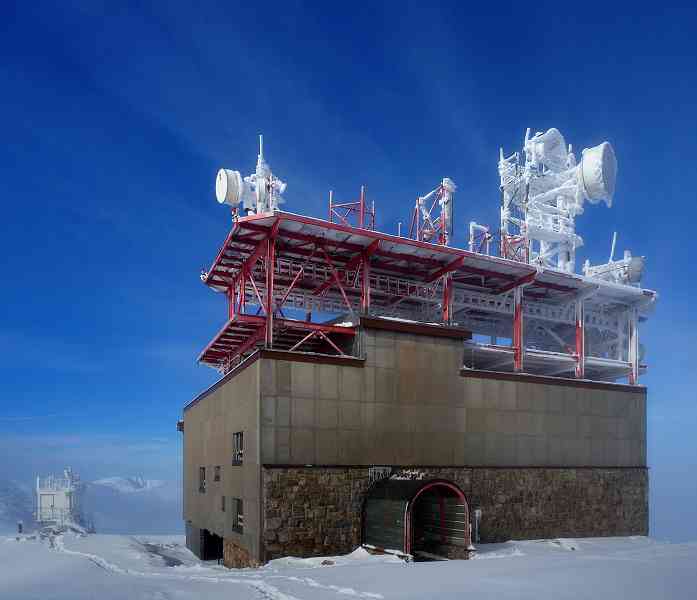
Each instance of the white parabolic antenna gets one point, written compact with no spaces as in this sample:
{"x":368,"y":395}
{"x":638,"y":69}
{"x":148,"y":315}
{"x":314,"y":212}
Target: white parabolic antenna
{"x":549,"y":149}
{"x":228,"y":187}
{"x":259,"y":192}
{"x":598,"y":173}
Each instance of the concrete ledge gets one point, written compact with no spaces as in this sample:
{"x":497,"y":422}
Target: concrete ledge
{"x":547,"y":380}
{"x":416,"y":328}
{"x":251,"y":359}
{"x":473,"y":467}
{"x":324,"y":359}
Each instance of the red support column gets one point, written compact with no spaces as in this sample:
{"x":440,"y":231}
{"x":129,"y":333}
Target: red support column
{"x":633,"y":353}
{"x":447,"y":308}
{"x":270,"y":267}
{"x":242,"y":298}
{"x":231,"y":300}
{"x":518,"y":329}
{"x":580,"y":341}
{"x":365,"y":284}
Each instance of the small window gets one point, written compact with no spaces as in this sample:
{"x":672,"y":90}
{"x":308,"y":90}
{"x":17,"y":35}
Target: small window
{"x":237,"y":515}
{"x":237,"y":448}
{"x":216,"y":474}
{"x":202,"y":480}
{"x":222,"y":503}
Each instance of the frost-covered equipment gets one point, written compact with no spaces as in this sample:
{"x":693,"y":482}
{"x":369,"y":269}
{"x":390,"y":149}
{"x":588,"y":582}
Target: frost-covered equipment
{"x":543,"y":191}
{"x":258,"y":193}
{"x":298,"y":283}
{"x":627,"y":270}
{"x":58,"y":499}
{"x":432,"y":217}
{"x":480,"y":238}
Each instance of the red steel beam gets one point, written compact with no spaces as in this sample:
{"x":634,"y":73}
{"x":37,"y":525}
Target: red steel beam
{"x":518,"y":282}
{"x":451,"y":266}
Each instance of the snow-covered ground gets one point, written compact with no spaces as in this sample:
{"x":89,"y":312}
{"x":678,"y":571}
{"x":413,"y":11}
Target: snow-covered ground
{"x":161,"y":568}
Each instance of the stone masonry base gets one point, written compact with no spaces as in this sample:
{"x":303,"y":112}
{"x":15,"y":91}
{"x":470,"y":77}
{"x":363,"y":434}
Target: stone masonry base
{"x":236,"y":557}
{"x":315,"y":511}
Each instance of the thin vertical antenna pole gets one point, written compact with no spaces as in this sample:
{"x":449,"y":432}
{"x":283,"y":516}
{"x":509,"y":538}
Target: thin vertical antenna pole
{"x":331,"y":200}
{"x":261,"y":146}
{"x":361,"y":208}
{"x":612,"y":248}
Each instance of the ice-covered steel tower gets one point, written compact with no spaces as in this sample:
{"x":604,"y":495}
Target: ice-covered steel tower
{"x":58,"y":499}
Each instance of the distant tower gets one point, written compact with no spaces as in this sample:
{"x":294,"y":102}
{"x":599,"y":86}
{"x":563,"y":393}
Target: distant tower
{"x":58,"y":499}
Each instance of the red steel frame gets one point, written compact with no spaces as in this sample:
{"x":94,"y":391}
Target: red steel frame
{"x":253,"y":244}
{"x":343,"y":211}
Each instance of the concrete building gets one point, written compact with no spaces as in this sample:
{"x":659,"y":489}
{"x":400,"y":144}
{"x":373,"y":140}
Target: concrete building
{"x":540,"y":457}
{"x":398,"y":392}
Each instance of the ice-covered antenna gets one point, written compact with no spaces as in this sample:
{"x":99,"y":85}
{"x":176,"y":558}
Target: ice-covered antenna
{"x":432,"y":217}
{"x":612,"y":248}
{"x":544,"y":193}
{"x":257,"y":193}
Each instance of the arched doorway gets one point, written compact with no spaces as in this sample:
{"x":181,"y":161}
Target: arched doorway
{"x":425,"y":519}
{"x":438,"y":522}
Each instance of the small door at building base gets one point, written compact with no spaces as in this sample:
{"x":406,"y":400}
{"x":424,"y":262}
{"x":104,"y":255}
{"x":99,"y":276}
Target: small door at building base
{"x":439,"y":525}
{"x":211,"y":546}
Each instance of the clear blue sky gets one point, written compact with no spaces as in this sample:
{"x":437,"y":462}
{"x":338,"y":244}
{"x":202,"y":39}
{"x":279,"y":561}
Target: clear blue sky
{"x":116,"y":117}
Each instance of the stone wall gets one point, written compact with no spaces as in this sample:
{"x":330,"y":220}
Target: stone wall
{"x":237,"y":557}
{"x":314,"y":511}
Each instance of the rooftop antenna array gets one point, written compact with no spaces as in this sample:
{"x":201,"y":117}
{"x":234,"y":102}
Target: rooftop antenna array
{"x":627,"y":270}
{"x":543,"y":191}
{"x":432,"y":217}
{"x":258,"y":193}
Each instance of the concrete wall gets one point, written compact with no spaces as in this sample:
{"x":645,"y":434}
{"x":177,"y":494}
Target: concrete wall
{"x":409,"y":405}
{"x":208,"y":430}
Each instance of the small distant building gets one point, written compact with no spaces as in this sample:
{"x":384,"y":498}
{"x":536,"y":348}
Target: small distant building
{"x":58,"y":499}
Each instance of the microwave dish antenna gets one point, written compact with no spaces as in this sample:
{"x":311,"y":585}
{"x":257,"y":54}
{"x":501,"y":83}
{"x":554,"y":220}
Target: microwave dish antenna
{"x":258,"y":193}
{"x":544,"y":189}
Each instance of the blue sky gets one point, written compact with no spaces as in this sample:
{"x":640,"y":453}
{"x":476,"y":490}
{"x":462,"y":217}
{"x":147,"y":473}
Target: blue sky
{"x":116,"y":117}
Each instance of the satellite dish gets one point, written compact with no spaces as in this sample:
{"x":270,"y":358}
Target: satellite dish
{"x":229,"y":187}
{"x":598,"y":173}
{"x":635,"y":269}
{"x":549,"y":149}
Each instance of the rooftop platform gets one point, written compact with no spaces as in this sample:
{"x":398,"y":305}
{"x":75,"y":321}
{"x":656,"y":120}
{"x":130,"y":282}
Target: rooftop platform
{"x":294,"y":283}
